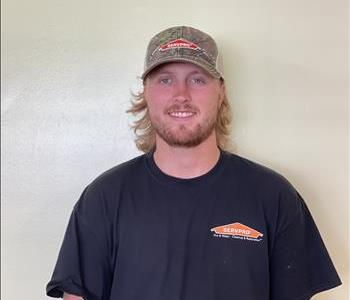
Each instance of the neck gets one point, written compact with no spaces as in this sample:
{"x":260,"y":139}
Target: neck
{"x":187,"y":162}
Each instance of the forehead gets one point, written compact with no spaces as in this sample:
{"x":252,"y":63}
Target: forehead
{"x":179,"y":67}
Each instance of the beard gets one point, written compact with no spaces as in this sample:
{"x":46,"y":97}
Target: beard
{"x":180,"y":135}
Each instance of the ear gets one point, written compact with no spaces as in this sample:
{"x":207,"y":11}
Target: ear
{"x":145,"y":89}
{"x":222,"y":92}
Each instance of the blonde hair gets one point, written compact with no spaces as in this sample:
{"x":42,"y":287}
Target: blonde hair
{"x":145,"y":134}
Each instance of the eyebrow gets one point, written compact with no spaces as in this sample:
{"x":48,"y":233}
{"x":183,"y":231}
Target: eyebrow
{"x":161,"y":72}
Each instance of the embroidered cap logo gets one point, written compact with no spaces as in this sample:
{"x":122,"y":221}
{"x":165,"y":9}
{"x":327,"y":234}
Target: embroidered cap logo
{"x":178,"y":43}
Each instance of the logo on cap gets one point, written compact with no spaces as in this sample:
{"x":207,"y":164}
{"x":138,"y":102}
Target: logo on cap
{"x":178,"y":43}
{"x":237,"y":230}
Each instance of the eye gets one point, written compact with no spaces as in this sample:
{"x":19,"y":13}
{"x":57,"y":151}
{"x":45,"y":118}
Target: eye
{"x":198,"y":80}
{"x":165,"y":80}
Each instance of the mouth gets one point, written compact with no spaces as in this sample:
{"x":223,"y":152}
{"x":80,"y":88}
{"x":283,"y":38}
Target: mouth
{"x":182,"y":114}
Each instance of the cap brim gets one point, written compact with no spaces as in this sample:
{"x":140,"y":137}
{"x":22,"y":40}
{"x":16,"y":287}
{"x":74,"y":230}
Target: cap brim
{"x":210,"y":71}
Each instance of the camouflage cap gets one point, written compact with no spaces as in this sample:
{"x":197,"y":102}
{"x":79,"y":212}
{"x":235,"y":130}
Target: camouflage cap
{"x":183,"y":44}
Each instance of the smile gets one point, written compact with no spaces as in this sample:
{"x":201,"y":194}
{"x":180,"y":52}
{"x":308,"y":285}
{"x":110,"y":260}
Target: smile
{"x":182,"y":114}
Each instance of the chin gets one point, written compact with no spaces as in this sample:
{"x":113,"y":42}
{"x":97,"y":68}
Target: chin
{"x":184,"y":135}
{"x":188,"y":140}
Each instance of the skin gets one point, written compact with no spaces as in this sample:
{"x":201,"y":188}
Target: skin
{"x":183,"y":102}
{"x":71,"y":297}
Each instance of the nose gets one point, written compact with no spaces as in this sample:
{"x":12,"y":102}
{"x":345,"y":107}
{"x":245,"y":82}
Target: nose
{"x":181,"y":92}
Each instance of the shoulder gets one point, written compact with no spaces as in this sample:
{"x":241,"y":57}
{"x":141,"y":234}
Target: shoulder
{"x":103,"y":193}
{"x":253,"y":173}
{"x":119,"y":174}
{"x":267,"y":188}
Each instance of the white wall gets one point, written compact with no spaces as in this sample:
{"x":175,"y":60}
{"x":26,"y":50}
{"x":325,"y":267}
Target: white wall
{"x":69,"y":66}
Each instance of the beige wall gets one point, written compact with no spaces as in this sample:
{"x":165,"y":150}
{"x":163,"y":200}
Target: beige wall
{"x":68,"y":67}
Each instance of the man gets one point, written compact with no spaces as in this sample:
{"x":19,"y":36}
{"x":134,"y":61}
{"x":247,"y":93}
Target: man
{"x":188,"y":220}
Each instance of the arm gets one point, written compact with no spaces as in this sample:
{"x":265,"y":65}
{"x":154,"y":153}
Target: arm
{"x":84,"y":251}
{"x":71,"y":297}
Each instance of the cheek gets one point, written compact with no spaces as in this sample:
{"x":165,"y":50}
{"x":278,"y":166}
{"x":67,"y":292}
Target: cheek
{"x":154,"y":104}
{"x":209,"y":102}
{"x":156,"y":98}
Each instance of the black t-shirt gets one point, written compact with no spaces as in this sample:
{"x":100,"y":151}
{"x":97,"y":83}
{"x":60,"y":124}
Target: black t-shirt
{"x":241,"y":231}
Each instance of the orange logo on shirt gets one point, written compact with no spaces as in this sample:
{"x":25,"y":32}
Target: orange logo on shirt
{"x":237,"y":230}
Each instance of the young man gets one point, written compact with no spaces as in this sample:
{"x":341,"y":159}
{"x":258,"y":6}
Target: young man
{"x":188,"y":220}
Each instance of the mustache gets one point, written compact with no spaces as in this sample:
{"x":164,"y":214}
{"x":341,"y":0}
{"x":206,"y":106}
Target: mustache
{"x":178,"y":107}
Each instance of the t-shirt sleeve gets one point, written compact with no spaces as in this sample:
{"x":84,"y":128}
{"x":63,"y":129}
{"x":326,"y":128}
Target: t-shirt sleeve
{"x":300,"y":265}
{"x":83,"y":265}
